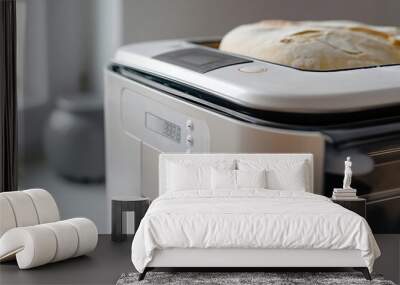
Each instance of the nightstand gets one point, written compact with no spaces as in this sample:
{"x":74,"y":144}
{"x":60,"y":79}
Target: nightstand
{"x":357,"y":205}
{"x":121,"y":204}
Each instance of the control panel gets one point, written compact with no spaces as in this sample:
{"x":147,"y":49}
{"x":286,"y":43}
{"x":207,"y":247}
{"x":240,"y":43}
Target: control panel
{"x":189,"y":137}
{"x":199,"y":59}
{"x":161,"y":126}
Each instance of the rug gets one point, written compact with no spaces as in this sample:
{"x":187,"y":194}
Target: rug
{"x":244,"y":278}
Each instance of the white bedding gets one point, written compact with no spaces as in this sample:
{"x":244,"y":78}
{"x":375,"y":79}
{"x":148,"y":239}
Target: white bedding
{"x":250,"y":219}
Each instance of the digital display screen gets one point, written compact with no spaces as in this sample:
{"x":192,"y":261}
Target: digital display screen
{"x":199,"y":59}
{"x":163,"y":127}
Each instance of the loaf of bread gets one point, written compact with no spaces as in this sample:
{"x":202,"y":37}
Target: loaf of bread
{"x":323,"y":45}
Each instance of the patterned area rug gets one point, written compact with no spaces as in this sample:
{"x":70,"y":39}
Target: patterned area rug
{"x":243,"y":278}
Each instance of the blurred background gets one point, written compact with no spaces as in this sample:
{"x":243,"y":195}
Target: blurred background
{"x":63,"y":48}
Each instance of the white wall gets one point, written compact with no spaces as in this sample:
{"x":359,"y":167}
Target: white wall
{"x":106,"y":38}
{"x":162,"y":19}
{"x":70,"y":44}
{"x":32,"y":74}
{"x":83,"y":35}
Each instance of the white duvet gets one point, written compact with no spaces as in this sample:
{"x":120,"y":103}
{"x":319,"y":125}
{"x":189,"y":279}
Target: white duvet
{"x":250,"y":219}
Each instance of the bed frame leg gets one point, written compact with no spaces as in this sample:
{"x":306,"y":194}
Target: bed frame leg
{"x":364,"y":271}
{"x":143,"y":274}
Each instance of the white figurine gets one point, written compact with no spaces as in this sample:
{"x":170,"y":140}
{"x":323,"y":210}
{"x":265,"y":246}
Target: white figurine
{"x":347,"y":173}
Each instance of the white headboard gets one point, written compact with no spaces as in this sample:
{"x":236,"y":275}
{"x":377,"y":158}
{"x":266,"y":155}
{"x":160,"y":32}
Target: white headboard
{"x":170,"y":157}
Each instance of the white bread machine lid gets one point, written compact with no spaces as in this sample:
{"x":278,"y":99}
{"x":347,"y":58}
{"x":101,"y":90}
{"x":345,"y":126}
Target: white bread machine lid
{"x":262,"y":85}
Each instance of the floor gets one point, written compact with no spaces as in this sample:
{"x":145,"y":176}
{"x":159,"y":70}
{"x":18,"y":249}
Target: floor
{"x":103,"y":266}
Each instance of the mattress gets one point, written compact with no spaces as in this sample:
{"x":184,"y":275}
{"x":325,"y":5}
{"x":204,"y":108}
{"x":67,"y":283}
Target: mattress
{"x":250,"y":218}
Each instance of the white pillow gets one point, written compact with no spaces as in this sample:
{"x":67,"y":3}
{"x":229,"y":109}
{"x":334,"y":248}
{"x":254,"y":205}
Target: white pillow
{"x":223,"y":179}
{"x":187,"y":177}
{"x":251,"y":178}
{"x":188,"y":174}
{"x":293,"y":178}
{"x":227,"y":179}
{"x":281,"y":174}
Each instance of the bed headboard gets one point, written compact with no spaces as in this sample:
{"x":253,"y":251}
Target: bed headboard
{"x":210,"y":157}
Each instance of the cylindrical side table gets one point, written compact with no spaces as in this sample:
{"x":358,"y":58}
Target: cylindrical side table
{"x":121,"y":204}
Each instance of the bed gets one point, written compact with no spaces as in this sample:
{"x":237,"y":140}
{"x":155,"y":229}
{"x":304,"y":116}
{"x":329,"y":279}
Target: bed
{"x":247,"y":210}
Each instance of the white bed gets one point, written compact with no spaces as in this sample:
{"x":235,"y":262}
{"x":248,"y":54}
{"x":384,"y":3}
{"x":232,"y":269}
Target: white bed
{"x":249,"y":227}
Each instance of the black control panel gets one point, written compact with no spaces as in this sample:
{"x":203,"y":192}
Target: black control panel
{"x":200,"y":60}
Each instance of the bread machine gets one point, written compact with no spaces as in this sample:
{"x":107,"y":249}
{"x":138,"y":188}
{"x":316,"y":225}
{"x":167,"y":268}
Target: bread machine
{"x":188,"y":96}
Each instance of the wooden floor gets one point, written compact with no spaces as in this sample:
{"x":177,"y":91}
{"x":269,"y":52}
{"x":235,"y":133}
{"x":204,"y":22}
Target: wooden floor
{"x":103,"y":266}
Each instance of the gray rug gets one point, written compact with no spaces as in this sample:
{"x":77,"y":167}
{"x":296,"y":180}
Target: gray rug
{"x":232,"y":278}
